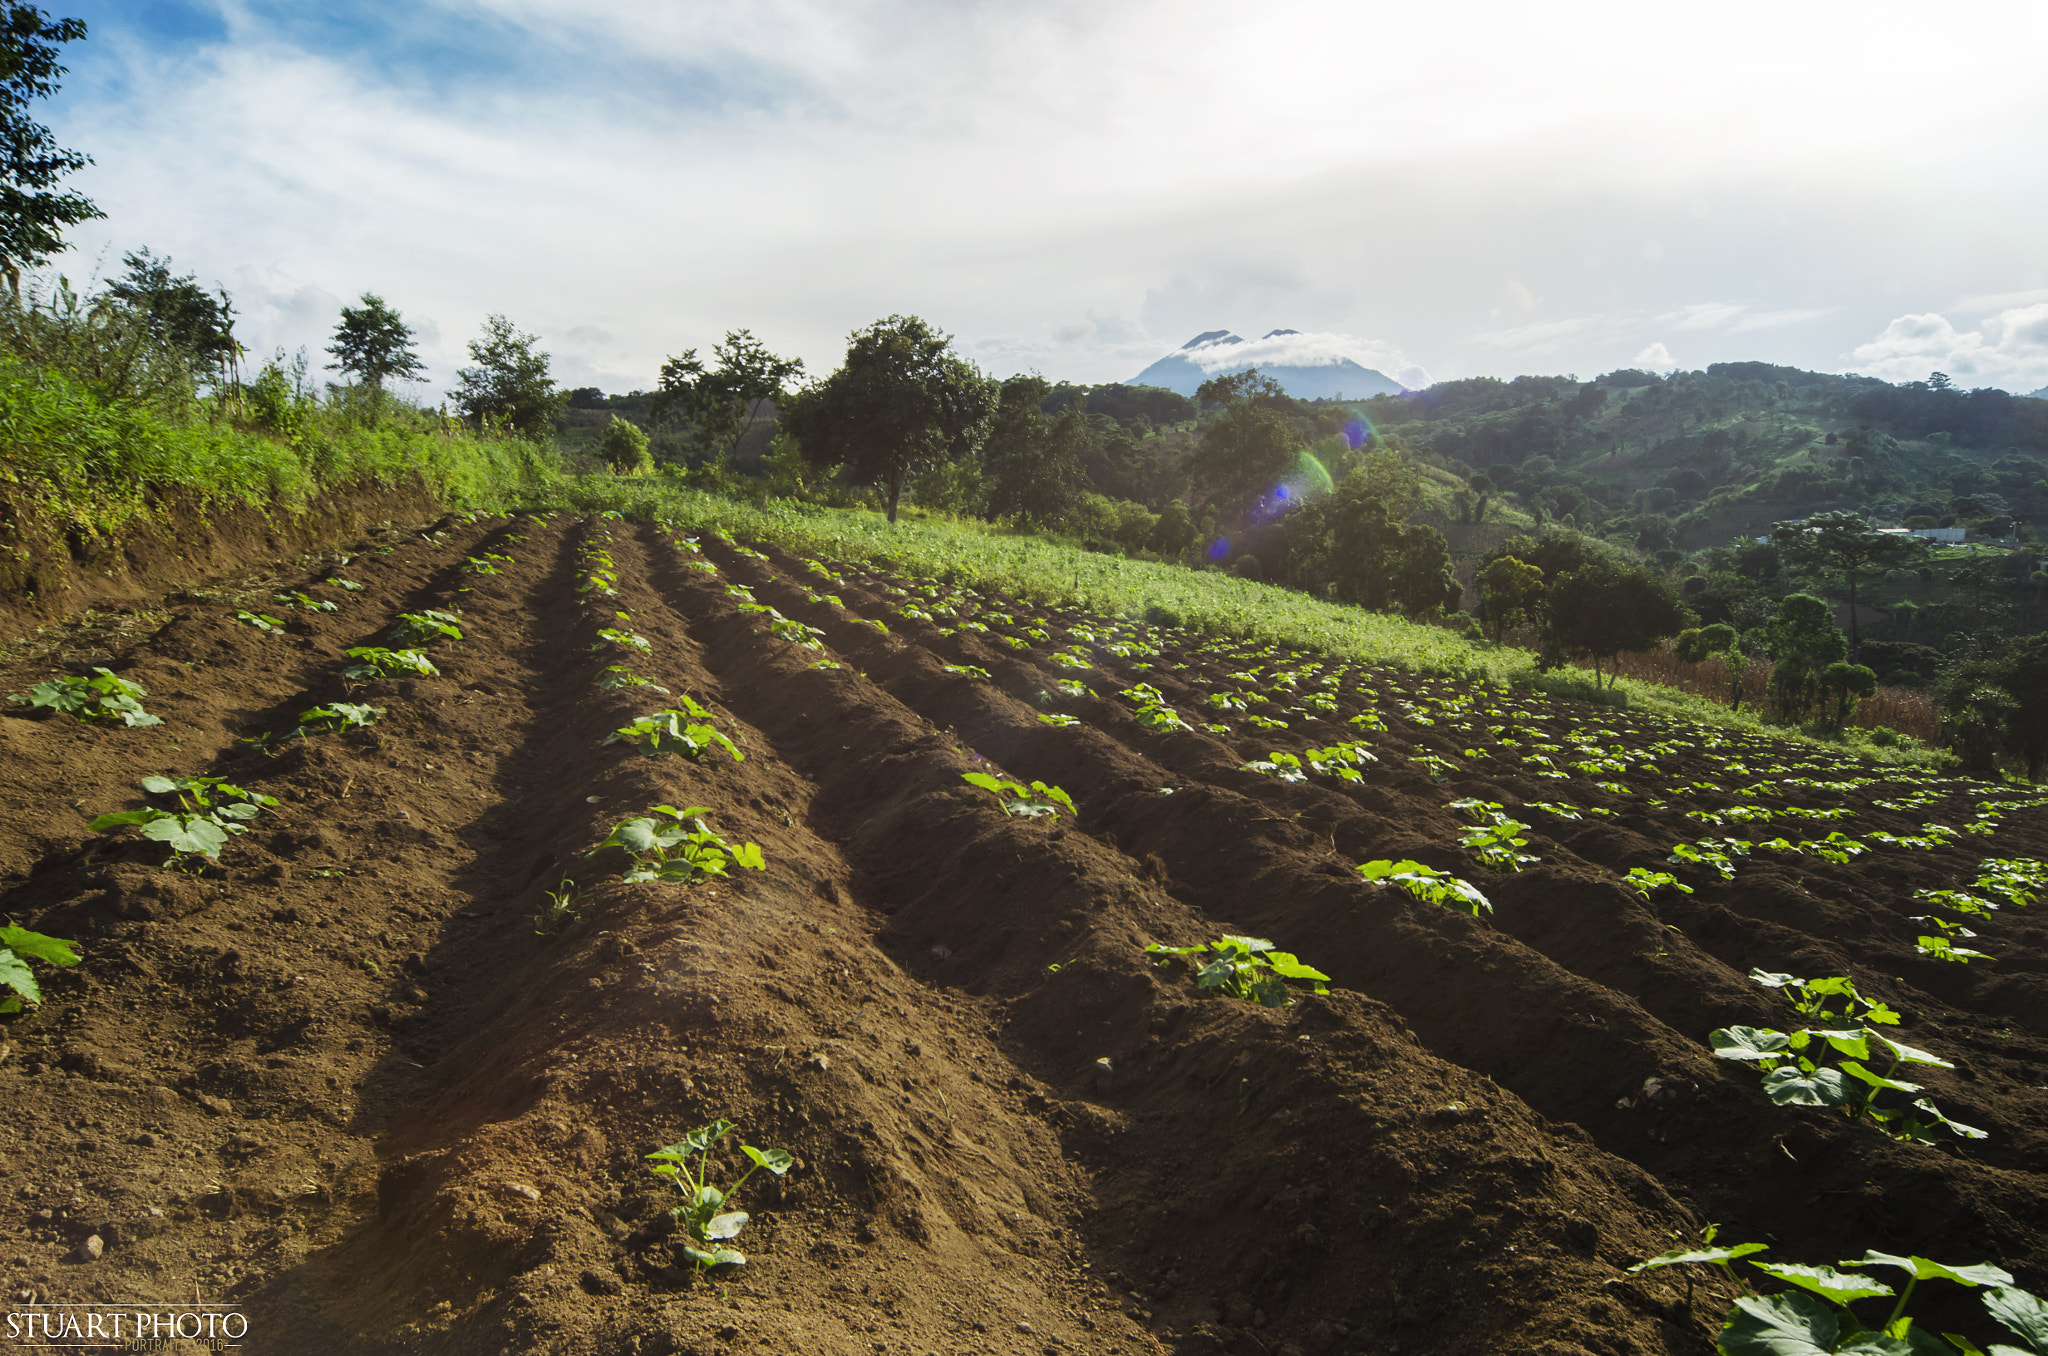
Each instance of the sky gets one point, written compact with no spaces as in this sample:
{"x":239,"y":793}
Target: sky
{"x":1076,"y":188}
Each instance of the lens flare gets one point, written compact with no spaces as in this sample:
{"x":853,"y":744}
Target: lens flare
{"x":1358,"y":432}
{"x":1311,"y":476}
{"x":1219,"y":548}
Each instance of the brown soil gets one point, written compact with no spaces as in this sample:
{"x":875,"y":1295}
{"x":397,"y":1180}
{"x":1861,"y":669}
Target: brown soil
{"x":339,"y":1082}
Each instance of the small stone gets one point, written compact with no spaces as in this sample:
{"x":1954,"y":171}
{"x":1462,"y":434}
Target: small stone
{"x":1105,"y":1073}
{"x":521,"y":1190}
{"x":91,"y":1250}
{"x":1024,"y":1327}
{"x":819,"y":1061}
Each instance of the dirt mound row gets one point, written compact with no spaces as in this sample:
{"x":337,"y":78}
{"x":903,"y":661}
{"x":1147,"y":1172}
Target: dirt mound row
{"x":366,"y":1080}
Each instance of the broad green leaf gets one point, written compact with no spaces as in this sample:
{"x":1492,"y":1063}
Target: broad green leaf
{"x":2025,"y":1314}
{"x":14,"y":973}
{"x":241,"y":811}
{"x":704,"y":1137}
{"x":1984,"y":1273}
{"x":727,"y":1225}
{"x":1287,"y":967}
{"x":38,"y":946}
{"x":983,"y":780}
{"x":1792,"y":1087}
{"x":1953,"y":1127}
{"x":1829,"y":1284}
{"x":634,"y":835}
{"x":1793,"y":1324}
{"x":122,"y":818}
{"x":159,"y":786}
{"x":1682,"y":1256}
{"x":1912,"y":1056}
{"x":1853,"y":1042}
{"x":1855,"y":1070}
{"x":188,"y":833}
{"x":749,"y":856}
{"x":776,"y":1161}
{"x":1749,"y":1042}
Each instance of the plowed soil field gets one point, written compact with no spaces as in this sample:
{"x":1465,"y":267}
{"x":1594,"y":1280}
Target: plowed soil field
{"x":339,"y":1083}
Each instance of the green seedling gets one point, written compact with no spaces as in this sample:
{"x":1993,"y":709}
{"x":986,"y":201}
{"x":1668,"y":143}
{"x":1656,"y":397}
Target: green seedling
{"x":705,"y":1217}
{"x":210,"y":811}
{"x":1036,"y":801}
{"x":1058,"y":721}
{"x":1646,"y":882}
{"x":102,"y":699}
{"x":336,"y":718}
{"x":262,"y":622}
{"x":624,"y":639}
{"x":966,"y":670}
{"x":618,"y":676}
{"x":1495,"y":840}
{"x":414,"y":629}
{"x":1152,"y":711}
{"x":374,"y":661}
{"x":560,"y":910}
{"x":1824,"y":1065}
{"x":487,"y":563}
{"x":685,"y":730}
{"x":1940,"y":943}
{"x":2021,"y":880}
{"x":1285,"y":766}
{"x":1428,"y":884}
{"x":19,"y":946}
{"x":1243,"y":967}
{"x":678,"y":847}
{"x":305,"y":602}
{"x":340,"y":583}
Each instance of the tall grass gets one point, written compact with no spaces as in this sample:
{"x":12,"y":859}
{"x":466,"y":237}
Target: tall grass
{"x":91,"y":464}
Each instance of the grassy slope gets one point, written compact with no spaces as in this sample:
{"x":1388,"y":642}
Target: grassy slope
{"x":1217,"y":603}
{"x":86,"y":465}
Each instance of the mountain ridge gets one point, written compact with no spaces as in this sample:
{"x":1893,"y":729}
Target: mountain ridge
{"x":1327,"y":379}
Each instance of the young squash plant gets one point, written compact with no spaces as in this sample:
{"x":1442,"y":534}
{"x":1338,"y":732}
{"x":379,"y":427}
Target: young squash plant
{"x":102,"y":699}
{"x":1243,"y":967}
{"x":707,"y":1221}
{"x":1824,"y":1065}
{"x":1036,"y":801}
{"x":374,"y":661}
{"x":336,"y":718}
{"x":1428,"y":884}
{"x":19,"y":946}
{"x":210,"y":810}
{"x":414,"y":629}
{"x":685,"y":730}
{"x":668,"y":844}
{"x":1816,"y":1319}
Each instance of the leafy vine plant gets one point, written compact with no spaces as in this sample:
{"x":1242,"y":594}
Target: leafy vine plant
{"x":707,"y":1222}
{"x":1825,"y":1065}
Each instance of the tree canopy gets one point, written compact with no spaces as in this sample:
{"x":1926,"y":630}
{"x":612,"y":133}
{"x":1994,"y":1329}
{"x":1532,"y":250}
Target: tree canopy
{"x":372,"y":344}
{"x":1250,"y":447}
{"x":901,"y":400}
{"x":1847,"y":543}
{"x":510,"y":382}
{"x":33,"y":210}
{"x":723,"y":402}
{"x":179,"y":316}
{"x":1605,"y":607}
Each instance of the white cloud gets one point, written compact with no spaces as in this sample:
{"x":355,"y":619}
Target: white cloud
{"x":1656,"y":358}
{"x":1542,"y":337}
{"x":2008,"y":350}
{"x":1737,"y":317}
{"x":1302,"y":350}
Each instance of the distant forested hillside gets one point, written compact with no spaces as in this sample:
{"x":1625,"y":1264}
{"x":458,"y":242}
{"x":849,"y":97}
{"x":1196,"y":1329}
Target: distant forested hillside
{"x":1698,"y":458}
